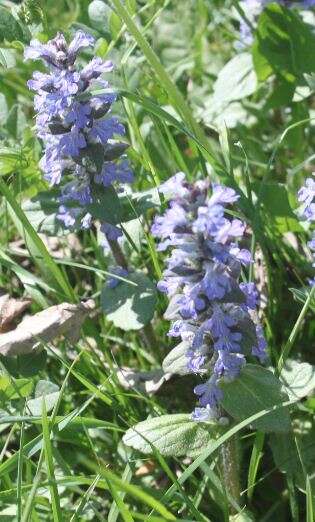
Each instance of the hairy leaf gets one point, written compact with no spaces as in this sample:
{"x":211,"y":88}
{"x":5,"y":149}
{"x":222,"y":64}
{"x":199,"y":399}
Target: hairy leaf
{"x":174,"y":435}
{"x":298,"y":379}
{"x":131,"y":305}
{"x":254,"y":390}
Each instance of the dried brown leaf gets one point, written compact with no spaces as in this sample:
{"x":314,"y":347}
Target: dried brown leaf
{"x":11,"y":309}
{"x":145,"y":469}
{"x":43,"y":327}
{"x":148,"y":382}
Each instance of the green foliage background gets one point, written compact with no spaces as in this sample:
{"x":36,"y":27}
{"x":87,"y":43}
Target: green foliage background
{"x":194,"y":99}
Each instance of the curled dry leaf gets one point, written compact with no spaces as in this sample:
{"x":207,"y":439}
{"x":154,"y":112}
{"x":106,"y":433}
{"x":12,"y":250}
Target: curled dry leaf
{"x":149,"y":382}
{"x":10,"y":309}
{"x":63,"y":319}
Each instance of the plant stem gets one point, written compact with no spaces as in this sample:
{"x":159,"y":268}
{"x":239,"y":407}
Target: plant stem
{"x":230,"y":468}
{"x":118,"y":254}
{"x":147,"y":332}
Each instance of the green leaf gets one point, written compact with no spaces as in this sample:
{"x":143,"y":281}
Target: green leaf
{"x":298,"y":379}
{"x":25,"y":365}
{"x":31,"y":364}
{"x":274,"y":198}
{"x":254,"y":390}
{"x":41,"y":212}
{"x":16,"y":121}
{"x":11,"y":389}
{"x":10,"y":29}
{"x":289,"y":449}
{"x":10,"y":159}
{"x":236,"y":80}
{"x":46,"y":263}
{"x":130,"y":306}
{"x":47,"y":390}
{"x":172,"y":435}
{"x":114,"y":209}
{"x":99,"y":15}
{"x":176,"y":360}
{"x":280,"y":43}
{"x":50,"y":465}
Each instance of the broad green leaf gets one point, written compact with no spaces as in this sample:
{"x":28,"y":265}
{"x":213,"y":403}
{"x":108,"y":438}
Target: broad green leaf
{"x":289,"y":449}
{"x":172,"y":435}
{"x":49,"y":391}
{"x":106,"y":206}
{"x":25,"y":365}
{"x":236,"y":80}
{"x":280,"y":44}
{"x":176,"y":360}
{"x":16,"y":121}
{"x":10,"y":28}
{"x":99,"y":15}
{"x":274,"y":198}
{"x":41,"y":212}
{"x":31,"y":364}
{"x":130,"y":306}
{"x":298,"y":379}
{"x":254,"y":390}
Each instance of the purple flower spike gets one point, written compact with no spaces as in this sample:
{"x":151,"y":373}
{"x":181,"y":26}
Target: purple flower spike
{"x":76,"y":128}
{"x":208,"y":305}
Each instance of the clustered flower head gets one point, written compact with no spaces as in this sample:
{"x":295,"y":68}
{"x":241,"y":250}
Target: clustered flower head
{"x":306,"y":197}
{"x":80,"y":150}
{"x":253,"y":8}
{"x":211,"y":311}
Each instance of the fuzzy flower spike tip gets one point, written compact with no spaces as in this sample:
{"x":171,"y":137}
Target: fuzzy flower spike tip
{"x":211,"y":311}
{"x":81,"y":152}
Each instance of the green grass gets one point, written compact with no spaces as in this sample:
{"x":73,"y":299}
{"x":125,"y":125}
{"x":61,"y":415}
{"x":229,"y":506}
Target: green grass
{"x":67,"y":462}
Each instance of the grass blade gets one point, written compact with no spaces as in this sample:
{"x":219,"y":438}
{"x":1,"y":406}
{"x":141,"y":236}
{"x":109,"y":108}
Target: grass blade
{"x":55,"y":501}
{"x":47,"y":262}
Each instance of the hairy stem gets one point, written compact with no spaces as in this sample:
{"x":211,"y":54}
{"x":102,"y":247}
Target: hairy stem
{"x":118,"y":254}
{"x":230,"y":468}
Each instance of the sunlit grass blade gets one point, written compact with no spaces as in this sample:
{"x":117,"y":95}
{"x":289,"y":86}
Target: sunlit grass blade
{"x":20,"y":474}
{"x":125,"y":514}
{"x":163,"y":77}
{"x":85,"y":498}
{"x":134,"y":491}
{"x":254,"y":463}
{"x":309,"y":501}
{"x":114,"y":510}
{"x":45,"y":262}
{"x":55,"y":499}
